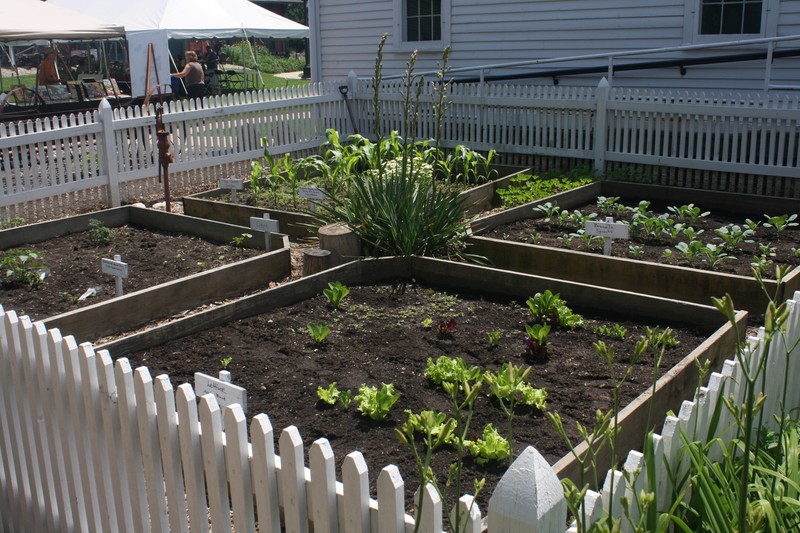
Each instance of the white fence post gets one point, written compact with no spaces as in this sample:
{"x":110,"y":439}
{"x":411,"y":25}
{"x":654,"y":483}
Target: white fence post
{"x":601,"y":126}
{"x":108,"y":149}
{"x":529,"y":498}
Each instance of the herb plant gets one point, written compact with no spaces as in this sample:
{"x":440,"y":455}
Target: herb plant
{"x":99,"y":234}
{"x":548,"y":308}
{"x":237,"y":241}
{"x":780,"y":223}
{"x":23,"y":266}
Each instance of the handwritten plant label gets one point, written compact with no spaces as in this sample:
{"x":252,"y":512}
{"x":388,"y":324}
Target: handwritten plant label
{"x":233,"y":184}
{"x":266,"y":225}
{"x":117,"y":268}
{"x":226,"y":393}
{"x":313,"y":194}
{"x":114,"y":267}
{"x":609,"y":229}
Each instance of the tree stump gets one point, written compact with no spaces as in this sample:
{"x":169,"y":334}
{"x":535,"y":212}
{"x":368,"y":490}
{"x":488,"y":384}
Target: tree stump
{"x":343,"y":244}
{"x":315,"y":260}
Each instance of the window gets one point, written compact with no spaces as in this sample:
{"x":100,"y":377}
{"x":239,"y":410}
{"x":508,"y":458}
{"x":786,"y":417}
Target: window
{"x":423,"y":20}
{"x":421,"y":25}
{"x":709,"y":21}
{"x":730,"y":17}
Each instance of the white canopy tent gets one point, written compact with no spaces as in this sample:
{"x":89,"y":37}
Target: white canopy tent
{"x":190,"y":19}
{"x":28,"y":20}
{"x":146,"y":20}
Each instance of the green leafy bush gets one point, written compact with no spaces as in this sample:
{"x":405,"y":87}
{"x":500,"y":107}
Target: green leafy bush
{"x":99,"y":234}
{"x":23,"y":266}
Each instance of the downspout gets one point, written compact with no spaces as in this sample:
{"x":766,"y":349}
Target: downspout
{"x":314,"y":40}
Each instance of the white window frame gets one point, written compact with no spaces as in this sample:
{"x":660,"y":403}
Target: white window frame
{"x":691,"y":24}
{"x":398,"y":24}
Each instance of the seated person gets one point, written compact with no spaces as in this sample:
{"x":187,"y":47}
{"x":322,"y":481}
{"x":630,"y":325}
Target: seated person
{"x":193,"y":76}
{"x":48,"y":74}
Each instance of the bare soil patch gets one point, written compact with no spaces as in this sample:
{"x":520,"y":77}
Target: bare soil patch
{"x":378,"y":337}
{"x":73,"y":266}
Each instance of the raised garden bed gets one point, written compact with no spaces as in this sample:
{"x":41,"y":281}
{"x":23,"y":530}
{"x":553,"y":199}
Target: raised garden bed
{"x":175,"y":263}
{"x":378,"y":336}
{"x":497,"y":238}
{"x":216,"y":205}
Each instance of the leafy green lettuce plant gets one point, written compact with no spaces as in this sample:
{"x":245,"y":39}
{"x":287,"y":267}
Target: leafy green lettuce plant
{"x":374,"y":402}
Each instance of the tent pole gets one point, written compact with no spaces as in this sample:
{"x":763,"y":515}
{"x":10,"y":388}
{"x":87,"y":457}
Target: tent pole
{"x":253,"y":55}
{"x":175,"y":66}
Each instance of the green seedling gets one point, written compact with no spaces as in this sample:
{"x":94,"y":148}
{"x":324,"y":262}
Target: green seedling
{"x":536,"y":340}
{"x":330,"y":394}
{"x":780,"y":223}
{"x":319,"y":331}
{"x":237,"y":241}
{"x":335,"y":293}
{"x":494,"y":338}
{"x":635,"y":251}
{"x":615,"y":331}
{"x":225,"y":362}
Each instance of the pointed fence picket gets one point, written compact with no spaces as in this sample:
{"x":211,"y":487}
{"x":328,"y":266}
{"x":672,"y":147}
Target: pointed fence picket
{"x":91,"y":444}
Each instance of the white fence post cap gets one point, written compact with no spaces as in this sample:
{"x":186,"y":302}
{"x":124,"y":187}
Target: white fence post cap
{"x":528,"y":498}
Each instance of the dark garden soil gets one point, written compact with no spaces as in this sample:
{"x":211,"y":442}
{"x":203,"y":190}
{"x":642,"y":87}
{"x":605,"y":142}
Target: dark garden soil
{"x":378,"y":337}
{"x":73,"y":266}
{"x":781,"y":252}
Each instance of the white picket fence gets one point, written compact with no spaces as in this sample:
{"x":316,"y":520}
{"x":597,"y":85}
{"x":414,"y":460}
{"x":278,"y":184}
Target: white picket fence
{"x":90,"y":444}
{"x":111,"y":154}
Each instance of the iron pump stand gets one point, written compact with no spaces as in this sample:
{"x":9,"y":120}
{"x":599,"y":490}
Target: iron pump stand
{"x":164,"y":155}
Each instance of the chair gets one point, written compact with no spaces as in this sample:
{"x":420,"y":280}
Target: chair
{"x":231,"y":80}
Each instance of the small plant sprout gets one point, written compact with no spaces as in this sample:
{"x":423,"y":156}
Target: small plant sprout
{"x":99,"y":234}
{"x":447,"y":327}
{"x":780,"y":223}
{"x":225,"y":362}
{"x":615,"y":331}
{"x":689,"y":250}
{"x":536,"y":340}
{"x":733,"y":236}
{"x":494,"y":337}
{"x":427,"y":323}
{"x":635,"y":251}
{"x":237,"y":241}
{"x":374,"y":402}
{"x":688,"y":213}
{"x":609,"y":205}
{"x":550,"y":210}
{"x":715,"y":255}
{"x":330,"y":394}
{"x":667,"y":255}
{"x":536,"y":238}
{"x":566,"y":240}
{"x":335,"y":293}
{"x":451,"y":370}
{"x":319,"y":331}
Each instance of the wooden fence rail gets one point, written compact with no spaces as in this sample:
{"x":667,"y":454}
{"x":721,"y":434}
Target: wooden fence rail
{"x":111,"y":156}
{"x":91,"y":444}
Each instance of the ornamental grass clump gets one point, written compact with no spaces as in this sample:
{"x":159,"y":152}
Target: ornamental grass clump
{"x":397,"y":208}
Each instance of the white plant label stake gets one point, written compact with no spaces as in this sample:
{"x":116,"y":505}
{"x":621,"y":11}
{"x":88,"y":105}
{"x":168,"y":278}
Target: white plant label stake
{"x":233,"y":185}
{"x":313,"y":194}
{"x":115,"y":267}
{"x":223,"y":390}
{"x":609,"y":230}
{"x":266,"y":225}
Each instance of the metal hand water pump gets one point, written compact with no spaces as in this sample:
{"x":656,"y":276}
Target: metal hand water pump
{"x":164,"y":155}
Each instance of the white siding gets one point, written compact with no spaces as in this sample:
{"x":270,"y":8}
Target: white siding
{"x":484,"y":33}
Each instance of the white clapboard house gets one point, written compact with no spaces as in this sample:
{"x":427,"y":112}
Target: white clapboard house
{"x":702,"y":44}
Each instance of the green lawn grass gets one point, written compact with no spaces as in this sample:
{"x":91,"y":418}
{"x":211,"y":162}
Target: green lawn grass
{"x":270,"y":81}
